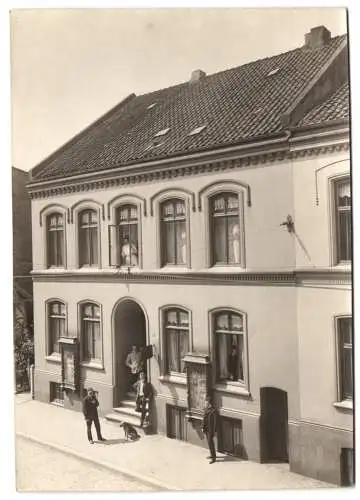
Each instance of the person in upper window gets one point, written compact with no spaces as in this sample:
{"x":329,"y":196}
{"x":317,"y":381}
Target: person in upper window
{"x":129,"y":253}
{"x":233,"y":363}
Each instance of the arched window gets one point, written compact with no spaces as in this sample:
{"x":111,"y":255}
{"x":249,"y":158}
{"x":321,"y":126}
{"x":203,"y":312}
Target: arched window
{"x":88,"y":238}
{"x":176,"y":333}
{"x":230,"y":356}
{"x":342,"y":190}
{"x":125,"y":237}
{"x":91,"y":332}
{"x":55,"y":240}
{"x":56,"y":311}
{"x":173,"y":232}
{"x":226,"y":229}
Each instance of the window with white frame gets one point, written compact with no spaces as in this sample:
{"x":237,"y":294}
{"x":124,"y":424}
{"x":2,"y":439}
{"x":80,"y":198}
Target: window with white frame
{"x":173,"y":232}
{"x":345,"y":358}
{"x":88,"y":238}
{"x":124,"y":237}
{"x":342,"y":190}
{"x":55,"y":240}
{"x":226,"y":229}
{"x":176,"y":333}
{"x":56,"y":325}
{"x":91,"y":332}
{"x":229,"y":337}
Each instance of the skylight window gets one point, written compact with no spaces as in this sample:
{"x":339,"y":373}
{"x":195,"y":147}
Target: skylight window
{"x":197,"y":130}
{"x":162,"y":132}
{"x":273,"y":72}
{"x":152,"y":105}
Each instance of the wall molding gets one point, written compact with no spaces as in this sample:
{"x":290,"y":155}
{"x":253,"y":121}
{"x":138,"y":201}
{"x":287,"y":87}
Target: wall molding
{"x":270,"y":278}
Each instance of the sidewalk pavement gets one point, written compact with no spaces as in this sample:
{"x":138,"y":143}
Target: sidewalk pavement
{"x":157,"y":461}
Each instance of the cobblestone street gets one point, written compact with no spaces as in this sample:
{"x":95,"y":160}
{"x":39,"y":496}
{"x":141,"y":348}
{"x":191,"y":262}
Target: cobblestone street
{"x":40,"y":468}
{"x":179,"y":466}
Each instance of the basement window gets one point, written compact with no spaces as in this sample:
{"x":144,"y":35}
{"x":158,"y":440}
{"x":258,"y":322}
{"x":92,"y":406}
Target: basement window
{"x":162,"y":132}
{"x":273,"y":72}
{"x":197,"y":130}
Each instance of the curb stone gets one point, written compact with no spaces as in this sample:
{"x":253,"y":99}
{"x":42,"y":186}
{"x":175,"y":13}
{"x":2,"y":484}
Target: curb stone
{"x":130,"y":475}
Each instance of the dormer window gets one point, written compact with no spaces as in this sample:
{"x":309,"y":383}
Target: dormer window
{"x":162,"y":132}
{"x":197,"y":130}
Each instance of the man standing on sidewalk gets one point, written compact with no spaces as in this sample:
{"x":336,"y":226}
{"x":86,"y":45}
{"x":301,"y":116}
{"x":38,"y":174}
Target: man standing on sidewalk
{"x":209,"y":428}
{"x":90,"y":406}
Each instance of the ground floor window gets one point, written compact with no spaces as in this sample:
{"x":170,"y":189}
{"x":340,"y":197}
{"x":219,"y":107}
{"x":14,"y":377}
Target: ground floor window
{"x":230,"y":437}
{"x":56,"y":394}
{"x":176,"y":423}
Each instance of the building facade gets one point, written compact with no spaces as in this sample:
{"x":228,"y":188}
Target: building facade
{"x":228,"y":238}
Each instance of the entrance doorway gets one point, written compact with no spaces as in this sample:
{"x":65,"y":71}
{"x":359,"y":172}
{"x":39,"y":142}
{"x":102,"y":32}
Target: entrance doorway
{"x":273,"y":425}
{"x":129,"y":330}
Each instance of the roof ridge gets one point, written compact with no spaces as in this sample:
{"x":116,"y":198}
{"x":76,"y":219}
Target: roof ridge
{"x":233,"y":68}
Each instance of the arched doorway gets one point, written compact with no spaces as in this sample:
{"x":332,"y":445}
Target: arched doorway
{"x":130,"y":328}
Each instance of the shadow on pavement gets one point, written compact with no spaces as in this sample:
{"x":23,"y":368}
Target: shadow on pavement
{"x":113,"y":441}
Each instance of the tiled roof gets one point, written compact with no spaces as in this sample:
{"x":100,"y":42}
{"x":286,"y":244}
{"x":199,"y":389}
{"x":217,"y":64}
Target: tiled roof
{"x":235,"y":105}
{"x":336,"y":107}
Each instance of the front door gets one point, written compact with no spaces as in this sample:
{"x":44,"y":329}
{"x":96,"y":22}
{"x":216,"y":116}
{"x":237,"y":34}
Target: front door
{"x":130,"y":330}
{"x":273,"y":425}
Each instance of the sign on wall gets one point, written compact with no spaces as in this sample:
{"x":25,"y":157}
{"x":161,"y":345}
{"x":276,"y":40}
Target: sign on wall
{"x":70,"y":362}
{"x":198,"y":378}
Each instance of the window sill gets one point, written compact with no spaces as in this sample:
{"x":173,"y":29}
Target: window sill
{"x":173,"y":379}
{"x":93,"y":365}
{"x":233,"y":388}
{"x":225,"y":269}
{"x":346,"y":405}
{"x":174,"y":269}
{"x":56,"y":358}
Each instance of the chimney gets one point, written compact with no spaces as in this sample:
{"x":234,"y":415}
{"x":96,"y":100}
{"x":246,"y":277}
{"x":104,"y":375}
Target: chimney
{"x":197,"y":75}
{"x":318,"y":37}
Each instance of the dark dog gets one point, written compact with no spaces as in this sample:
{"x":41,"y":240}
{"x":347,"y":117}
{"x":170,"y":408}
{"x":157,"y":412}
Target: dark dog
{"x":130,"y":431}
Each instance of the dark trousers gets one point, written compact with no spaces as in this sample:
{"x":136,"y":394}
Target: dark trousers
{"x":97,"y":427}
{"x":211,"y":444}
{"x":141,"y":406}
{"x":134,"y":377}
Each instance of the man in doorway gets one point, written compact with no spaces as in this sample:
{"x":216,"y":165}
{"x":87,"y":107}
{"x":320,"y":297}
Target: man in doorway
{"x":134,"y":362}
{"x":90,"y":406}
{"x":143,"y":396}
{"x":209,"y":428}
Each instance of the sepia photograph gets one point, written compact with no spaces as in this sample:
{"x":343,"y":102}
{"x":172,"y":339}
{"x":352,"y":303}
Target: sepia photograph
{"x":182,"y":249}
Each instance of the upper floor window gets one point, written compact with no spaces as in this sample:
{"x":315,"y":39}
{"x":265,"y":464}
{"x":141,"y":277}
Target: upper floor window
{"x":225,"y":229}
{"x":345,"y":358}
{"x":91,"y":332}
{"x":127,"y":236}
{"x":343,"y":220}
{"x":229,"y":332}
{"x":176,"y":325}
{"x":173,"y":233}
{"x":56,"y":325}
{"x":88,"y":238}
{"x":55,"y":240}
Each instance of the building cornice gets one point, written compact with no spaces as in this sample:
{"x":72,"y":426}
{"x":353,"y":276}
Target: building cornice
{"x":265,"y":278}
{"x":321,"y":142}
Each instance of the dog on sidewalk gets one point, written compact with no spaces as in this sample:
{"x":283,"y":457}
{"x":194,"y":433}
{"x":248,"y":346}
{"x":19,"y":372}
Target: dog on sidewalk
{"x":130,"y":431}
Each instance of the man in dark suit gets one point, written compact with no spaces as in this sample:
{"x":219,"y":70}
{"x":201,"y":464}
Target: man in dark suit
{"x":209,"y":428}
{"x":90,"y":406}
{"x":143,"y":396}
